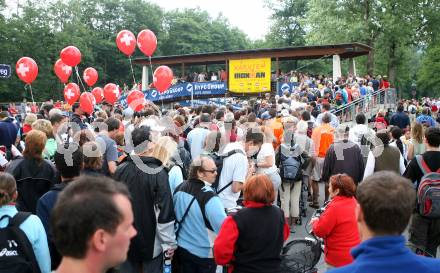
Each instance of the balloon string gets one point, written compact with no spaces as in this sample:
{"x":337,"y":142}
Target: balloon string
{"x":151,"y":67}
{"x":132,"y":71}
{"x":32,"y":95}
{"x":79,"y":79}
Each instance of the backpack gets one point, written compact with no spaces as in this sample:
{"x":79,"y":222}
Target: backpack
{"x":218,"y":160}
{"x":428,"y":193}
{"x":309,"y":128}
{"x":16,"y":253}
{"x":290,"y":167}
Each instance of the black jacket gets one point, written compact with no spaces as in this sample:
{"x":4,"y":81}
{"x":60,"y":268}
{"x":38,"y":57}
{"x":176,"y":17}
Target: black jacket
{"x":33,"y":180}
{"x":344,"y":157}
{"x":152,"y":204}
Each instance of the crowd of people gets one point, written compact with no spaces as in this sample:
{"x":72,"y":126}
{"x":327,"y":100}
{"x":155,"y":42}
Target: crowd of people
{"x":215,"y":186}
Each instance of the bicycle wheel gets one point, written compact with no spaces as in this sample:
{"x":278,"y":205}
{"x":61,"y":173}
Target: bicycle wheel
{"x":300,"y":255}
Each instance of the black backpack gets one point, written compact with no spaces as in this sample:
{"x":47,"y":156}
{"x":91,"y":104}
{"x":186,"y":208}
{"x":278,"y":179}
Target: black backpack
{"x":16,"y":253}
{"x":218,"y":160}
{"x":290,"y":159}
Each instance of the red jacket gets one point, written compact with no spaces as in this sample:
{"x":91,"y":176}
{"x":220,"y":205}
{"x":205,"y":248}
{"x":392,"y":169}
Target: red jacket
{"x":338,"y":226}
{"x":224,"y":244}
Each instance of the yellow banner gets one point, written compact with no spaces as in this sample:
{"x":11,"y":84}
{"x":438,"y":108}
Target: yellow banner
{"x":249,"y":75}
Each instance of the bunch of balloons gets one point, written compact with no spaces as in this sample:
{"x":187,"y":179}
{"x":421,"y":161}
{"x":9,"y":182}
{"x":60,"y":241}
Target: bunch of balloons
{"x":147,"y":43}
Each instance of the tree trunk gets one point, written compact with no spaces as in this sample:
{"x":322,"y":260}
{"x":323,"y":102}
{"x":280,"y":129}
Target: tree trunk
{"x":370,"y":40}
{"x":392,"y":66}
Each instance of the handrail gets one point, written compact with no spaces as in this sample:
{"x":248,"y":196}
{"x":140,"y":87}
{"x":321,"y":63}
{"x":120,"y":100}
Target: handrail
{"x":358,"y":101}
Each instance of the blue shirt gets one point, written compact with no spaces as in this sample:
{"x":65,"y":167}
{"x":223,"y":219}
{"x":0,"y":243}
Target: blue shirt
{"x":400,"y":119}
{"x":428,"y":120}
{"x":196,"y":140}
{"x":387,"y":254}
{"x":8,"y":132}
{"x":194,"y":236}
{"x":175,"y":178}
{"x":34,"y":230}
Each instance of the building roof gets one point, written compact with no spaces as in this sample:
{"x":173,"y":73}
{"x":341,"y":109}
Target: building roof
{"x":349,"y":50}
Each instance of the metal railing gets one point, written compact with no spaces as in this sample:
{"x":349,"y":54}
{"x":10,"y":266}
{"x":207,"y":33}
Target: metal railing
{"x":382,"y":99}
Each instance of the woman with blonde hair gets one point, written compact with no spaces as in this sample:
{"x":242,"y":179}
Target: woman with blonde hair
{"x":28,"y":121}
{"x":34,"y":175}
{"x":164,"y":149}
{"x":30,"y":225}
{"x":92,"y":159}
{"x":416,"y":145}
{"x":45,"y":126}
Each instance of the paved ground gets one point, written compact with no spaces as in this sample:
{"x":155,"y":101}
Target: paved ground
{"x":300,"y":231}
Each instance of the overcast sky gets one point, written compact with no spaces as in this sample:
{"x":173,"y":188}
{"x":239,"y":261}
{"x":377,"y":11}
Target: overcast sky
{"x":248,"y":15}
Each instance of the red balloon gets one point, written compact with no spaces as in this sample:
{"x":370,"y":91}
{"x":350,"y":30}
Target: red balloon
{"x":126,"y":42}
{"x":111,"y":93}
{"x":136,"y":100}
{"x":71,"y":56}
{"x":162,"y":78}
{"x":62,"y":70}
{"x":27,"y":69}
{"x":71,"y":93}
{"x":87,"y":102}
{"x":147,"y":42}
{"x":90,"y":76}
{"x":98,"y":92}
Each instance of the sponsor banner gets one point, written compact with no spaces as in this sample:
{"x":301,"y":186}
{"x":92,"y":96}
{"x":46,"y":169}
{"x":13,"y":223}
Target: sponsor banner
{"x":183,"y":90}
{"x":286,"y":86}
{"x":214,"y":101}
{"x":249,"y":75}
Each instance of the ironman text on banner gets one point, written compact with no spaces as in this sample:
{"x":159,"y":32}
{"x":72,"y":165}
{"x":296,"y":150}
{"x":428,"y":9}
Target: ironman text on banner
{"x":249,"y":75}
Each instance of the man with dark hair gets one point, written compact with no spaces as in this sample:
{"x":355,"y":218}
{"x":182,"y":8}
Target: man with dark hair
{"x":386,"y":201}
{"x":334,"y":121}
{"x":253,"y":141}
{"x":92,"y":224}
{"x":362,"y":135}
{"x":400,"y":119}
{"x":425,"y":232}
{"x":147,"y":181}
{"x":77,"y":117}
{"x":200,"y":214}
{"x":196,"y":138}
{"x":69,"y":166}
{"x":108,"y":147}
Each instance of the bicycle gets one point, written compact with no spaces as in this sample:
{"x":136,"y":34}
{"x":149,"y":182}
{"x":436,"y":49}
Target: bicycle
{"x":302,"y":255}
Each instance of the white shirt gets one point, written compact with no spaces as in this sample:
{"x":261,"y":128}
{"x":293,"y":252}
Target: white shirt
{"x":357,"y":131}
{"x":266,"y":150}
{"x":235,"y":168}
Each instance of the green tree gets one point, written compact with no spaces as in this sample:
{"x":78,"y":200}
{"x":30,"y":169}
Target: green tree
{"x":428,"y":81}
{"x":286,"y":28}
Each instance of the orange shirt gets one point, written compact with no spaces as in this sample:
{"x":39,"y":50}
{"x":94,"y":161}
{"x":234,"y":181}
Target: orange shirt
{"x":323,"y":137}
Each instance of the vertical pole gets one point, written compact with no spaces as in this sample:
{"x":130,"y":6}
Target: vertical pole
{"x":144,"y":78}
{"x":336,"y":67}
{"x":277,"y":66}
{"x":183,"y":70}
